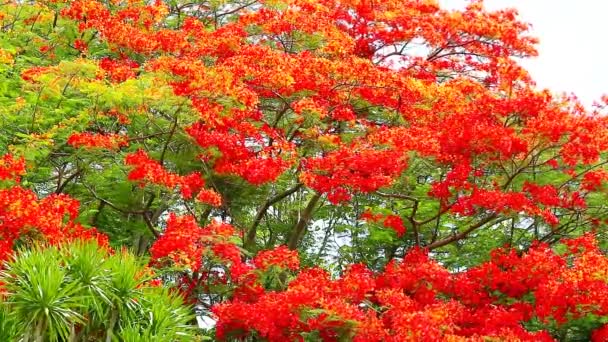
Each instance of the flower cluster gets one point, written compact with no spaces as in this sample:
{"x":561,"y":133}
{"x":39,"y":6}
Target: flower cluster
{"x":146,"y":170}
{"x":355,"y":168}
{"x":394,"y":222}
{"x":92,"y":140}
{"x":185,"y":243}
{"x":280,"y":257}
{"x":242,"y":147}
{"x":208,"y":252}
{"x":417,"y":299}
{"x":51,"y":220}
{"x":11,"y":168}
{"x":119,"y":70}
{"x":26,"y":218}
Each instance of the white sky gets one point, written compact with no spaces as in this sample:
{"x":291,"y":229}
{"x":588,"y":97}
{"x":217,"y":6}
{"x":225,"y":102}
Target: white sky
{"x":573,"y":50}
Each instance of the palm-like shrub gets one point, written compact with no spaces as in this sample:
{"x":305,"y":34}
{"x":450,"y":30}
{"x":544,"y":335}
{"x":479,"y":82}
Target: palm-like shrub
{"x":7,"y":325}
{"x":161,"y":324}
{"x":83,"y":292}
{"x":41,"y":296}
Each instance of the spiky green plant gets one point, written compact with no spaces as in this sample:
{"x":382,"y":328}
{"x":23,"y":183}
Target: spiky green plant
{"x":83,"y":292}
{"x":8,"y":326}
{"x":84,"y":261}
{"x":167,"y":319}
{"x":42,"y":298}
{"x":127,"y":280}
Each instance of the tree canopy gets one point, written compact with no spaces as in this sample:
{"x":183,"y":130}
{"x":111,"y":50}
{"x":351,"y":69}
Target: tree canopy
{"x":302,"y":170}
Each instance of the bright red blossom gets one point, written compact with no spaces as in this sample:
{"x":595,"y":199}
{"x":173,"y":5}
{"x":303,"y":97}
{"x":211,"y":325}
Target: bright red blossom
{"x":146,"y":170}
{"x":48,"y":220}
{"x":118,"y":70}
{"x":11,"y":168}
{"x":91,"y":140}
{"x":600,"y":335}
{"x":389,"y":221}
{"x":281,"y":257}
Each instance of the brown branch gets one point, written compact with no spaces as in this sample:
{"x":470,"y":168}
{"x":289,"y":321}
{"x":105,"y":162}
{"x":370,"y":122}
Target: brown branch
{"x":251,"y":233}
{"x":171,"y":133}
{"x":300,"y":227}
{"x":412,"y":217}
{"x":150,"y":225}
{"x":71,"y":177}
{"x":462,"y":234}
{"x":145,"y":137}
{"x":414,"y":223}
{"x":440,"y":213}
{"x":110,"y":204}
{"x":95,"y":217}
{"x":436,"y":229}
{"x":398,"y":196}
{"x":144,"y":213}
{"x":236,"y":9}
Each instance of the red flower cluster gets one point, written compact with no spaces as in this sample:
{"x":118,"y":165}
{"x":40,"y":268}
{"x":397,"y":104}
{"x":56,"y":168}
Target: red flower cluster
{"x":594,"y":180}
{"x":91,"y":140}
{"x":11,"y":168}
{"x":119,"y":70}
{"x":390,"y":221}
{"x":281,"y":257}
{"x":242,"y":146}
{"x":80,"y":45}
{"x":24,"y":217}
{"x":213,"y":259}
{"x":49,"y":220}
{"x":185,"y":243}
{"x":146,"y":170}
{"x":356,"y":168}
{"x":208,"y":252}
{"x":31,"y":74}
{"x":419,"y":300}
{"x":600,"y":335}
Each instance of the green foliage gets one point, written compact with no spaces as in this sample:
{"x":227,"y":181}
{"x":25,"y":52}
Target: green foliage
{"x":42,"y":297}
{"x":80,"y":291}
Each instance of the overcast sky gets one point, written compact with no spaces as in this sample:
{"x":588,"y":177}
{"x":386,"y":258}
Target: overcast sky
{"x":573,"y":51}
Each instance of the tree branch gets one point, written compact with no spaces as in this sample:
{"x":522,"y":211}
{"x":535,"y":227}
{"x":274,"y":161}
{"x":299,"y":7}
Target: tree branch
{"x":71,"y":177}
{"x":251,"y":233}
{"x":463,"y":234}
{"x":412,"y":217}
{"x":300,"y":227}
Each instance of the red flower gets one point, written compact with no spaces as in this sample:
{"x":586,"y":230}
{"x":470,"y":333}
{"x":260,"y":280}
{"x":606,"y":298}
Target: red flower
{"x":146,"y":170}
{"x":80,"y":44}
{"x":91,"y":140}
{"x":395,"y":223}
{"x":281,"y":257}
{"x":11,"y":168}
